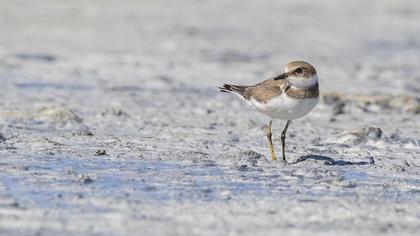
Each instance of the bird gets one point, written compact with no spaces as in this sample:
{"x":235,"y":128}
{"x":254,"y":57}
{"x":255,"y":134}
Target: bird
{"x":288,"y":96}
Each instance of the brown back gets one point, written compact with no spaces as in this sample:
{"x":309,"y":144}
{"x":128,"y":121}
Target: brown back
{"x":264,"y":91}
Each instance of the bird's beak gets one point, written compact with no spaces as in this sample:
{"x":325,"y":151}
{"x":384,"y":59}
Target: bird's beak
{"x":282,"y":76}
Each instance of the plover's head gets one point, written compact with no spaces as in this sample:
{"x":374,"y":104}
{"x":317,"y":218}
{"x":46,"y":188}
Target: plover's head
{"x":301,"y":74}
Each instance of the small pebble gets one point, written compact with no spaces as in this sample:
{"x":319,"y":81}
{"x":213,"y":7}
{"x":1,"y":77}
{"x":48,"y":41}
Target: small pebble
{"x":2,"y":138}
{"x":100,"y":153}
{"x":86,"y":179}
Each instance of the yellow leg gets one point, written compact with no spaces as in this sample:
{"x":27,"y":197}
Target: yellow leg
{"x":283,"y":140}
{"x":270,"y":141}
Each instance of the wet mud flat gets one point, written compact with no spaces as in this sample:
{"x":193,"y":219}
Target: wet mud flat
{"x":123,"y":131}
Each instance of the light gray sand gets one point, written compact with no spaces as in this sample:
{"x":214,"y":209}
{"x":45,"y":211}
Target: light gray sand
{"x":111,"y":123}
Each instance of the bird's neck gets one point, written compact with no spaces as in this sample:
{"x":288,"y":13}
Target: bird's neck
{"x":303,"y":83}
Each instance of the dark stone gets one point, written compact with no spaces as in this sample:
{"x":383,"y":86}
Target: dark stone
{"x":100,"y":153}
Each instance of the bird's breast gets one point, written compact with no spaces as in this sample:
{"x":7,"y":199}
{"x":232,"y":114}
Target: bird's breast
{"x":285,"y":107}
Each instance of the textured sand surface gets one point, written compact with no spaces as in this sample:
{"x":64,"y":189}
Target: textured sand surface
{"x":111,"y":123}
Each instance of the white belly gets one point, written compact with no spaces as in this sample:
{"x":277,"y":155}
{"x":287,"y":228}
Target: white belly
{"x":286,"y":108}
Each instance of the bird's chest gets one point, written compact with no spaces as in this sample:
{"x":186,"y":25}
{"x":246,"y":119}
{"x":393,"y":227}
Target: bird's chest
{"x":285,"y":107}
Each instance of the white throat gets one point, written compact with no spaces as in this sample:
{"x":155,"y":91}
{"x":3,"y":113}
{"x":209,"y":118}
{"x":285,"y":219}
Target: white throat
{"x":303,"y":83}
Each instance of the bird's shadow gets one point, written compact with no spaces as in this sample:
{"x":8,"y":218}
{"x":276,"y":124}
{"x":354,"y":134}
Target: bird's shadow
{"x":331,"y":161}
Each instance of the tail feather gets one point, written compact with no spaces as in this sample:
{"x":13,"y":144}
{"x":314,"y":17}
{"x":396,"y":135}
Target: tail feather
{"x":229,"y":88}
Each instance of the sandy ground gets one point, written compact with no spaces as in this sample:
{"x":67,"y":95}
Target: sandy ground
{"x":111,"y":123}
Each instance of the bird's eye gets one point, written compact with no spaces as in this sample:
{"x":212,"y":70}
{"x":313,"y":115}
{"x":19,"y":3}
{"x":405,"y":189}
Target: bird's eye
{"x":299,"y":70}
